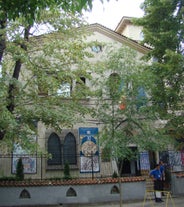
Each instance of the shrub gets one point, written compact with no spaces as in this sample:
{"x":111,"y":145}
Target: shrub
{"x":20,"y":170}
{"x":114,"y":175}
{"x":67,"y":172}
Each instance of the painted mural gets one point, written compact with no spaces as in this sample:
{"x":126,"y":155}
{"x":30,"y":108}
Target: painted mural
{"x":89,"y":150}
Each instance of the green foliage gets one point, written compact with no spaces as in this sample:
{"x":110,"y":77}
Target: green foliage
{"x":106,"y":154}
{"x":20,"y":20}
{"x":164,"y":20}
{"x":114,"y":175}
{"x":33,"y":97}
{"x":67,"y":175}
{"x":20,"y":170}
{"x":30,"y":10}
{"x":136,"y":122}
{"x":163,"y":30}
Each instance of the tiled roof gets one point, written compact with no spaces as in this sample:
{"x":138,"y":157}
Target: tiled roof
{"x":69,"y":182}
{"x":180,"y":175}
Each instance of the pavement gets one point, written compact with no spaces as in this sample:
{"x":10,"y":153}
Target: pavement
{"x":174,"y":202}
{"x":168,"y":201}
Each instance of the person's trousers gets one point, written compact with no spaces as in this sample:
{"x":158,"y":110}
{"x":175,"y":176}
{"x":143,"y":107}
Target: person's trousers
{"x":158,"y":189}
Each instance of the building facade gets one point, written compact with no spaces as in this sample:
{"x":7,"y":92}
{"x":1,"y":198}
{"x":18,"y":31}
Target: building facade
{"x":78,"y":146}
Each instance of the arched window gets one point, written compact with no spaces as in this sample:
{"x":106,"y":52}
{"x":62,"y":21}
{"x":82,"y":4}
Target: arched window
{"x":54,"y":148}
{"x":81,"y":88}
{"x":71,"y":193}
{"x":96,"y":48}
{"x":114,"y":84}
{"x":25,"y":194}
{"x":141,"y":97}
{"x":114,"y":190}
{"x":69,"y":149}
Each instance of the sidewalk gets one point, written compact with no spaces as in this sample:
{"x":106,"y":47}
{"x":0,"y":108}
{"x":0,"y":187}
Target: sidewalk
{"x":174,"y":202}
{"x":168,"y":202}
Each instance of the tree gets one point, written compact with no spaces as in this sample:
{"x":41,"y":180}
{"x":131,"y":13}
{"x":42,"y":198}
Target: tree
{"x":18,"y":21}
{"x":33,"y":69}
{"x":163,"y":31}
{"x":123,"y":107}
{"x":20,"y":170}
{"x":30,"y":11}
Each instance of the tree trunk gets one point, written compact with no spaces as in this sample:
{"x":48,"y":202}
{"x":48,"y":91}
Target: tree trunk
{"x":120,"y":184}
{"x":2,"y":39}
{"x":16,"y":73}
{"x":2,"y":48}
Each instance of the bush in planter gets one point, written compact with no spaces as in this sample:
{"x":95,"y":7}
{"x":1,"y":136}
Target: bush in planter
{"x":67,"y":175}
{"x":114,"y":175}
{"x":20,"y":170}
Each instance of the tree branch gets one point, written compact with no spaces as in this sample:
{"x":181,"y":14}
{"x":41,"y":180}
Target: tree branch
{"x":2,"y":39}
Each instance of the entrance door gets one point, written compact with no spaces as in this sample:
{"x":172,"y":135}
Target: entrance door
{"x":129,"y":167}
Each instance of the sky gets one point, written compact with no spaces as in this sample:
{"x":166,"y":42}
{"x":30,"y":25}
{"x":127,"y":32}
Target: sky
{"x":110,"y":12}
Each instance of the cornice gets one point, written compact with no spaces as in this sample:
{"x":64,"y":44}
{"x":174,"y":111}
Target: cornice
{"x":118,"y":37}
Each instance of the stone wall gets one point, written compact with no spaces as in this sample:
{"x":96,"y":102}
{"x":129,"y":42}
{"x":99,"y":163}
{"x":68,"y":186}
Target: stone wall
{"x":177,"y":183}
{"x":50,"y":193}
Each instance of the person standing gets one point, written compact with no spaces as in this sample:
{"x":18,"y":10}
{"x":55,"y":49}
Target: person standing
{"x":156,"y":175}
{"x":162,"y":170}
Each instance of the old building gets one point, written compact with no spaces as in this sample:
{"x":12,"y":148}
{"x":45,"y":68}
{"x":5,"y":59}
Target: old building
{"x":78,"y":146}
